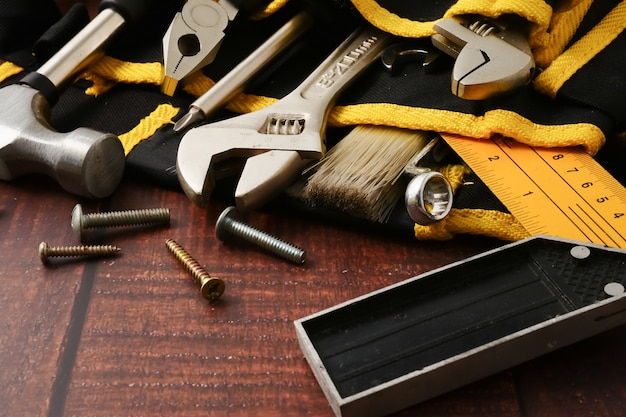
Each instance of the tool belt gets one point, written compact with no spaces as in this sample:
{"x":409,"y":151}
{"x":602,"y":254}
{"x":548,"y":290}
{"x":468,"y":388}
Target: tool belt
{"x":576,"y":99}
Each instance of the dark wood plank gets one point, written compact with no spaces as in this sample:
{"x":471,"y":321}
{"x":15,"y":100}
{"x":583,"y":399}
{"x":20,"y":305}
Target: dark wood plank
{"x":587,"y":378}
{"x":37,"y":304}
{"x":131,"y":335}
{"x":152,"y":345}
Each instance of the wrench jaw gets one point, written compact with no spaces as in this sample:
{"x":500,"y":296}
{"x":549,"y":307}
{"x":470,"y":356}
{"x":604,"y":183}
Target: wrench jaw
{"x":265,"y":176}
{"x":195,"y":166}
{"x":486,"y":70}
{"x":271,"y":163}
{"x":492,"y":56}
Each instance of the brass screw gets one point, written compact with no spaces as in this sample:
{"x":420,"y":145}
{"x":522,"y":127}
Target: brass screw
{"x":211,"y":288}
{"x":81,"y":222}
{"x":227,"y":225}
{"x":46,"y":251}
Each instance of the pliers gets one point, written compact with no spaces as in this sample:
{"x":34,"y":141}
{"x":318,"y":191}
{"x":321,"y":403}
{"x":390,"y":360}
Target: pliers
{"x":194,"y":38}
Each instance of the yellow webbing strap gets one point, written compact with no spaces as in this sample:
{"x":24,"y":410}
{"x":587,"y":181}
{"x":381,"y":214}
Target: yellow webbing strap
{"x":391,"y":22}
{"x":491,"y":223}
{"x":493,"y":122}
{"x":107,"y":72}
{"x":470,"y":221}
{"x":537,"y":12}
{"x":565,"y":22}
{"x":551,"y":80}
{"x":9,"y":69}
{"x":161,"y":116}
{"x":270,"y":9}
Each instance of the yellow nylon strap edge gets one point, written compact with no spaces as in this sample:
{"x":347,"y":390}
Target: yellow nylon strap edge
{"x":9,"y":69}
{"x":509,"y":124}
{"x":455,"y":174}
{"x":161,"y":116}
{"x":270,"y":9}
{"x":565,"y":22}
{"x":538,"y":12}
{"x":108,"y":71}
{"x":550,"y":81}
{"x":535,"y":11}
{"x":493,"y":122}
{"x":490,"y":223}
{"x":391,"y":22}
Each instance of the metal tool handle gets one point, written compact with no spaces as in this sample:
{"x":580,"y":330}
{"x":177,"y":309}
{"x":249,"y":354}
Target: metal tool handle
{"x":234,"y":82}
{"x":85,"y":47}
{"x":346,"y":62}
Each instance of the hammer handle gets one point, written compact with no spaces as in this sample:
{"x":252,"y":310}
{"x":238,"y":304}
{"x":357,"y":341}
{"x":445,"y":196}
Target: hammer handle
{"x":86,"y":47}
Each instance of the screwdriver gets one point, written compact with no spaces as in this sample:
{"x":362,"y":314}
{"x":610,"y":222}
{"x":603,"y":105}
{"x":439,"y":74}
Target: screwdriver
{"x":235,"y":81}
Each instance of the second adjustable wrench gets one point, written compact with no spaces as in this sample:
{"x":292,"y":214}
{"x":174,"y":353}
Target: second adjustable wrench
{"x":492,"y":55}
{"x":293,"y":129}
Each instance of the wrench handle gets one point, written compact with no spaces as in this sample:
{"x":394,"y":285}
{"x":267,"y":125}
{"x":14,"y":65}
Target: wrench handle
{"x":360,"y":49}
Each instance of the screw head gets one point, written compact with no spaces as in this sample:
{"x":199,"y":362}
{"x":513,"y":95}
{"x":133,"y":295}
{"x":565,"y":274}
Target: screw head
{"x":212,"y":288}
{"x":221,"y":231}
{"x":77,"y":220}
{"x":43,"y":252}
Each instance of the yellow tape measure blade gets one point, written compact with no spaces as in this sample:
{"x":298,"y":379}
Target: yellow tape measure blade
{"x":560,"y":192}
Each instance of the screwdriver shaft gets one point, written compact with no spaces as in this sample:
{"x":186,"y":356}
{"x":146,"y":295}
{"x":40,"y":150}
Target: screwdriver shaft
{"x":235,"y":81}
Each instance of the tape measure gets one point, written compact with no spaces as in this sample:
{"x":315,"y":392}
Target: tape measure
{"x":559,"y":192}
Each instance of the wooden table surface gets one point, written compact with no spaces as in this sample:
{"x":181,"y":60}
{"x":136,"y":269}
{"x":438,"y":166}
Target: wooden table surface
{"x":131,"y":335}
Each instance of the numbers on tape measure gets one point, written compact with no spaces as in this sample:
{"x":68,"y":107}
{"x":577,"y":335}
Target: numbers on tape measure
{"x":554,"y":191}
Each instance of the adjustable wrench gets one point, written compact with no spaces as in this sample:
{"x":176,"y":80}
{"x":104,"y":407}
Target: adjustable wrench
{"x":292,"y":129}
{"x":492,"y":55}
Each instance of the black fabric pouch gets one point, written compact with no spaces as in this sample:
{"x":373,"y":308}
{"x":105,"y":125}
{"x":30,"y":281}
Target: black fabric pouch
{"x":121,"y":94}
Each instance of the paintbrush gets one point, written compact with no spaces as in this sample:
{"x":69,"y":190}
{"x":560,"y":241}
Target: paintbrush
{"x":362,"y":174}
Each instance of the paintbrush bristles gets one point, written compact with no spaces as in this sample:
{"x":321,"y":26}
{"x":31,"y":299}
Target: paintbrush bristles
{"x":359,"y":175}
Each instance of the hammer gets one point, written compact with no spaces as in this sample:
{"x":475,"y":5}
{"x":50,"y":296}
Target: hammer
{"x":84,"y":161}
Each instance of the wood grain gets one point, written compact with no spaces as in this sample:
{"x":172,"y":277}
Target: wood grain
{"x":132,"y":336}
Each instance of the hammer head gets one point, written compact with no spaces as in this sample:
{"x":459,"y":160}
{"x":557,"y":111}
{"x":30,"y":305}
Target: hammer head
{"x":83,"y":162}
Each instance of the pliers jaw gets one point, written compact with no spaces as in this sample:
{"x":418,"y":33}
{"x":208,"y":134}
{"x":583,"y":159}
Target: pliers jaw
{"x":492,"y":56}
{"x":193,"y":39}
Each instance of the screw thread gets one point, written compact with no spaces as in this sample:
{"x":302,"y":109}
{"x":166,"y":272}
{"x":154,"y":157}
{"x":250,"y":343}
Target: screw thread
{"x":210,"y":287}
{"x":266,"y":241}
{"x":187,"y":261}
{"x":46,"y":251}
{"x":127,"y":218}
